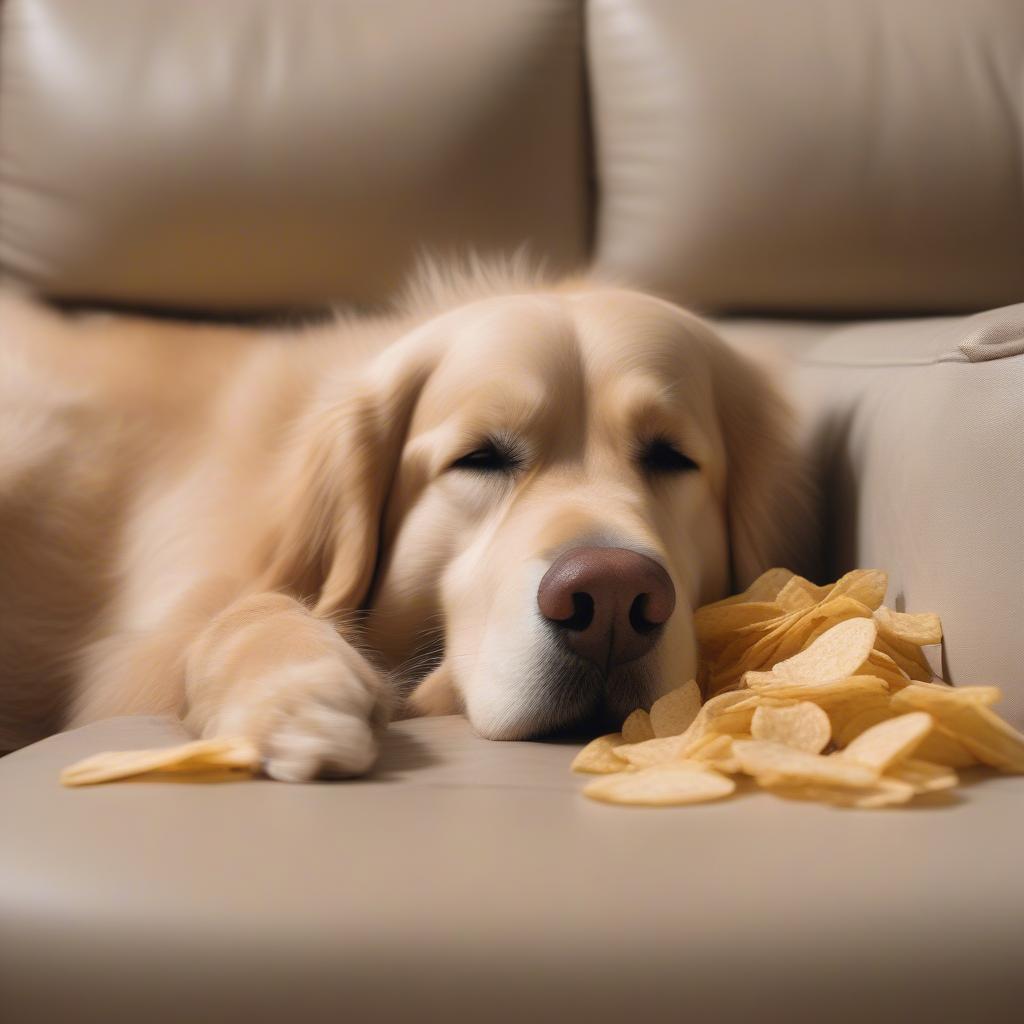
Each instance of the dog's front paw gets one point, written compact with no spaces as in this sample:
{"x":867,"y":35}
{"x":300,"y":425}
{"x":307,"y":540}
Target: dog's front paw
{"x":315,"y":719}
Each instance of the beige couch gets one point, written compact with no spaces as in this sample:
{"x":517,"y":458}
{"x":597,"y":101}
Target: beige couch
{"x":839,"y":180}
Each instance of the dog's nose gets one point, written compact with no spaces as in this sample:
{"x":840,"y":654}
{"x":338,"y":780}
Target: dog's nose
{"x":609,"y":603}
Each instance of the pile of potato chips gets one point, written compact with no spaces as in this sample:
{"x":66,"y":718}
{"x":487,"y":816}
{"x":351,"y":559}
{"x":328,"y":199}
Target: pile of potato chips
{"x":815,"y":693}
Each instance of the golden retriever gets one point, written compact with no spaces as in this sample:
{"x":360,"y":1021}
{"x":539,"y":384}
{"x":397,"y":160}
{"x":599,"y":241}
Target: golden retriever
{"x":503,"y":498}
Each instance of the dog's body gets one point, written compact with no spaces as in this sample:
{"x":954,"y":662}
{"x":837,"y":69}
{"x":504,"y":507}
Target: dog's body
{"x":261,"y":531}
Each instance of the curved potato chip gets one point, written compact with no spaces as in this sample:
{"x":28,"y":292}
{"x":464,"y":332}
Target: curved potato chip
{"x":816,"y":621}
{"x":991,"y":740}
{"x":795,"y":596}
{"x":683,"y":782}
{"x":835,"y":655}
{"x":827,"y":694}
{"x":889,"y":742}
{"x":803,"y":726}
{"x":883,"y":792}
{"x":767,"y":586}
{"x":865,"y":585}
{"x":598,"y":756}
{"x":216,"y":756}
{"x":646,"y":753}
{"x":815,"y":592}
{"x":637,"y":727}
{"x":674,"y":713}
{"x":936,"y":697}
{"x":774,"y":762}
{"x":764,"y":588}
{"x":921,"y":628}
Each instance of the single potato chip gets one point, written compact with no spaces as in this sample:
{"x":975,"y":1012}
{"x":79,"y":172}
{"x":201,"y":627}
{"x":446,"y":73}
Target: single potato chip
{"x":853,"y":688}
{"x":637,"y":727}
{"x":835,"y":655}
{"x":889,"y":742}
{"x":674,"y":713}
{"x":883,"y":792}
{"x":816,"y":593}
{"x":865,"y":585}
{"x":776,"y":763}
{"x":598,"y":757}
{"x":795,"y":596}
{"x":803,"y":726}
{"x":683,"y":782}
{"x":201,"y":757}
{"x":991,"y":740}
{"x":650,"y":752}
{"x":921,"y":628}
{"x":936,"y":697}
{"x":765,"y":588}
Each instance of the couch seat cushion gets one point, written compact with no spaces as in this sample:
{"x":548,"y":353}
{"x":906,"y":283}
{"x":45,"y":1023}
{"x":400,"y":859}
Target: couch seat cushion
{"x":469,"y":880}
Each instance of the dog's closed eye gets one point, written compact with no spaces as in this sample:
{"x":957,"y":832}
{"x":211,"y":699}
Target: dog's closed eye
{"x":494,"y":455}
{"x":661,"y":456}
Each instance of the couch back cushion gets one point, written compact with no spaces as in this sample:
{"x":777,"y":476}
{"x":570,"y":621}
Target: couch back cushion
{"x":218,"y":155}
{"x":812,"y":156}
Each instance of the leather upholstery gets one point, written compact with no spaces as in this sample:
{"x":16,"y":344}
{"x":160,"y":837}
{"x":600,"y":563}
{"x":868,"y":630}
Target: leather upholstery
{"x":213,"y":155}
{"x":470,"y":881}
{"x":837,"y":156}
{"x":915,"y":438}
{"x":832,"y":157}
{"x":847,"y":156}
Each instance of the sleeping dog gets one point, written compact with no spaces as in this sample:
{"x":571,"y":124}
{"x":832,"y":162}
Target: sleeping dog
{"x":503,"y":498}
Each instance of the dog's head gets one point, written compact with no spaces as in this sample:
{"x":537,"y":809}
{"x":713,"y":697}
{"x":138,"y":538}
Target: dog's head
{"x":530,"y":494}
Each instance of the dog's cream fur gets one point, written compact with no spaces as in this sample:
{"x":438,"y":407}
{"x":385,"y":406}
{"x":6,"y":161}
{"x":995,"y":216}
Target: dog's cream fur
{"x":260,"y":531}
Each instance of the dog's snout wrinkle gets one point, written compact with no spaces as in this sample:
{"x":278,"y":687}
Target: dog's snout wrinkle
{"x":608,"y":603}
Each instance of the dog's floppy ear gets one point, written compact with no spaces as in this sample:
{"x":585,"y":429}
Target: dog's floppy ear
{"x":770,"y":501}
{"x":341,"y":465}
